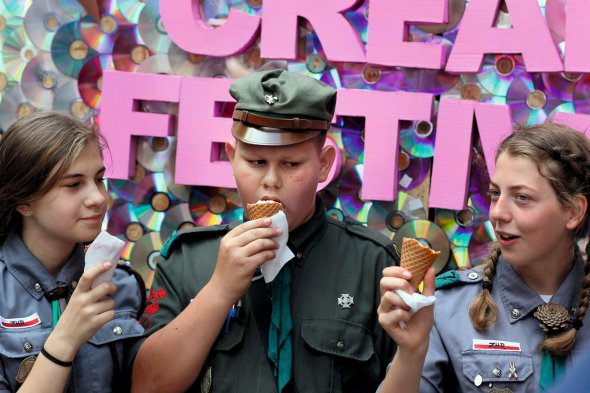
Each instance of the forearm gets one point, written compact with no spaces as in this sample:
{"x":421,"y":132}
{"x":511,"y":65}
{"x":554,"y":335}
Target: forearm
{"x":404,"y":373}
{"x":184,"y":344}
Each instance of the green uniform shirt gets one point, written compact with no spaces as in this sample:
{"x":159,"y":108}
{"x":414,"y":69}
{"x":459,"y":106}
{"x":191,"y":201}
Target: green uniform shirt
{"x":338,"y":344}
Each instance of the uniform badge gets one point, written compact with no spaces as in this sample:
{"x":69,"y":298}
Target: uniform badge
{"x":345,"y":300}
{"x":25,"y":368}
{"x":270,"y":98}
{"x":207,"y":381}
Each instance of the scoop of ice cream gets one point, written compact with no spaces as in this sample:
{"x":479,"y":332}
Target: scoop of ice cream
{"x":263,"y":209}
{"x":417,"y":259}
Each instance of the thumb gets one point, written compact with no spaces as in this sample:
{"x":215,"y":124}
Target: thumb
{"x":429,"y":282}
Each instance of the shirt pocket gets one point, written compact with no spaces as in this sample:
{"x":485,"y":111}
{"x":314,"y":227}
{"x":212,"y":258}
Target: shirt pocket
{"x":120,"y":328}
{"x":494,"y":369}
{"x":17,"y":345}
{"x":339,"y":354}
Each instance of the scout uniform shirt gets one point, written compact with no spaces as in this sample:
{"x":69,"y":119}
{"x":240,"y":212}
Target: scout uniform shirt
{"x":463,"y":359}
{"x":26,"y":319}
{"x":338,"y":345}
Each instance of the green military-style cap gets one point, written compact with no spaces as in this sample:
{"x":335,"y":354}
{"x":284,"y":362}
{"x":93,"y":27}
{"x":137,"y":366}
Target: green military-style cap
{"x":278,"y":108}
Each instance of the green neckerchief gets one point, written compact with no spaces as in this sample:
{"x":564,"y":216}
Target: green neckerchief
{"x":552,"y":368}
{"x":280,"y":344}
{"x":56,"y":311}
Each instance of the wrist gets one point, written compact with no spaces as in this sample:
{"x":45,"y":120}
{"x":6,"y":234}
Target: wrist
{"x":216,"y":292}
{"x":60,"y":348}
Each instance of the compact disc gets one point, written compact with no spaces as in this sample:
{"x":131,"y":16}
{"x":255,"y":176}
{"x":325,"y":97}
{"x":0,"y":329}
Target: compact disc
{"x":176,"y":218}
{"x":582,"y":95}
{"x":69,"y":51}
{"x":154,"y":152}
{"x":384,"y":218}
{"x":40,"y":80}
{"x":411,"y":206}
{"x":151,"y":29}
{"x":67,"y":100}
{"x":353,"y":138}
{"x":250,"y":61}
{"x":14,"y":105}
{"x":457,"y":225}
{"x":190,"y":64}
{"x":456,"y":8}
{"x":101,"y":36}
{"x":417,"y":137}
{"x":6,"y":82}
{"x":530,"y":102}
{"x":349,"y":193}
{"x":367,"y":76}
{"x":123,"y":222}
{"x":469,"y":88}
{"x":460,"y":260}
{"x":129,"y":50}
{"x":17,"y":51}
{"x":561,"y":84}
{"x":44,"y":18}
{"x":180,"y":191}
{"x":131,"y":9}
{"x":252,"y":7}
{"x":151,"y":199}
{"x":358,"y":19}
{"x":18,"y":8}
{"x":481,"y":240}
{"x":428,"y":234}
{"x":90,"y":79}
{"x":213,"y":206}
{"x":498,"y":71}
{"x":126,"y":188}
{"x":144,"y":256}
{"x":415,"y":171}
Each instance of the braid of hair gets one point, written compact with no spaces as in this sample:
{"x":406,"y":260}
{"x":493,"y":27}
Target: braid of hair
{"x":482,"y":310}
{"x":562,"y":344}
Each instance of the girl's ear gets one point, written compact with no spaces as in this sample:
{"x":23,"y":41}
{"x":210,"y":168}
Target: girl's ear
{"x":24,"y":210}
{"x":578,"y":212}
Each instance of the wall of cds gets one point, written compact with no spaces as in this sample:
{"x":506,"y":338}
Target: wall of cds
{"x":54,"y":56}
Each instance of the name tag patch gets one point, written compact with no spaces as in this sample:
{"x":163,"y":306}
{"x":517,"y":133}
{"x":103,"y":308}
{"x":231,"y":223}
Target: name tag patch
{"x":495,"y":345}
{"x":20,"y":323}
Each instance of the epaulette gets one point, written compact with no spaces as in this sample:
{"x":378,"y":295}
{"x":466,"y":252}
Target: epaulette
{"x":360,"y":230}
{"x":454,"y":277}
{"x":194,"y":233}
{"x":127,"y":267}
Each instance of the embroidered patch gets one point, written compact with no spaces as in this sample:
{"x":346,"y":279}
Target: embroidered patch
{"x":20,"y":323}
{"x":156,"y":295}
{"x":152,"y":308}
{"x":495,"y":345}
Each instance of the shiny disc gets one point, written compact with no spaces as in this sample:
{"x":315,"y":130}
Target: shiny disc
{"x":151,"y":200}
{"x":45,"y":17}
{"x":457,"y":225}
{"x":90,"y":79}
{"x":382,"y":218}
{"x":214,"y":206}
{"x":429,"y":234}
{"x":154,"y":152}
{"x":67,"y":100}
{"x":180,"y":191}
{"x":529,"y":100}
{"x":417,"y":138}
{"x":144,"y":256}
{"x":582,"y":95}
{"x":40,"y":80}
{"x":18,"y":8}
{"x":123,"y":222}
{"x":481,"y":240}
{"x":69,"y":51}
{"x":151,"y":29}
{"x":359,"y":76}
{"x":129,"y":50}
{"x":460,"y":260}
{"x":410,"y":206}
{"x":561,"y":84}
{"x":469,"y":88}
{"x":17,"y":51}
{"x":349,"y":190}
{"x":352,"y":133}
{"x":14,"y":105}
{"x":498,"y":71}
{"x":176,"y":218}
{"x":252,"y":7}
{"x":415,"y":173}
{"x":131,"y":9}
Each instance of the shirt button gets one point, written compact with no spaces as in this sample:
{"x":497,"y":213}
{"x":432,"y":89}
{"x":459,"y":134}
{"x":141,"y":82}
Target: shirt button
{"x":340,"y":345}
{"x":117,"y":331}
{"x":299,"y":255}
{"x":28,"y":347}
{"x":74,"y":284}
{"x":38,"y":287}
{"x":497,"y":372}
{"x":515,"y":313}
{"x":473,"y":276}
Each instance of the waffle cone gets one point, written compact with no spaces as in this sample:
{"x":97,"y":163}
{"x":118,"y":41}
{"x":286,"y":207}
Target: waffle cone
{"x":417,"y":259}
{"x":263,"y":209}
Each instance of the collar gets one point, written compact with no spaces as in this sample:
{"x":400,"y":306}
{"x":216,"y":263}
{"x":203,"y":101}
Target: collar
{"x":32,"y":274}
{"x":519,"y":299}
{"x":303,"y":238}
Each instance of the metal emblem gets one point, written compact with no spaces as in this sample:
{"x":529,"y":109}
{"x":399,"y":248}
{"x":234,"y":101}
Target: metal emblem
{"x":345,"y":300}
{"x":206,"y":381}
{"x":270,"y":98}
{"x":512,"y":371}
{"x":25,"y":368}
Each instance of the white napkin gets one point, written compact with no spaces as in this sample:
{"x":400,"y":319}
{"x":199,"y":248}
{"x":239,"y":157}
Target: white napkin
{"x":415,"y":301}
{"x":105,"y":248}
{"x":271,"y":268}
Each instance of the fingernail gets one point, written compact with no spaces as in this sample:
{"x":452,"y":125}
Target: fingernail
{"x":279,"y":231}
{"x":406,"y":274}
{"x":107,"y":265}
{"x":267,"y":221}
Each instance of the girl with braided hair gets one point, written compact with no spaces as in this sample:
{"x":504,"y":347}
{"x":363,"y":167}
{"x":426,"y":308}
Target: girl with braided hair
{"x":516,"y":322}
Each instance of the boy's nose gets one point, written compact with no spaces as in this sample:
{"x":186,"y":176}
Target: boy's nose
{"x":271,"y":179}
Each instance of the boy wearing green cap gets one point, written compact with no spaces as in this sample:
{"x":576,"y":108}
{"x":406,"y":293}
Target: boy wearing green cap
{"x":213,"y":325}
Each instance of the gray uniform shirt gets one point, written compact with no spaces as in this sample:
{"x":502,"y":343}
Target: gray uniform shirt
{"x":458,"y":353}
{"x":26,"y":318}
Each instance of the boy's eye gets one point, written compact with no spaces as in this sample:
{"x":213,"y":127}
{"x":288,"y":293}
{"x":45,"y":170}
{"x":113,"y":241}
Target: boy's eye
{"x":256,"y":162}
{"x":291,"y":164}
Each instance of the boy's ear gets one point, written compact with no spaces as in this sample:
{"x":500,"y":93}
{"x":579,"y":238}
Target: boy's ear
{"x":327,"y":157}
{"x":230,"y":150}
{"x":578,"y":212}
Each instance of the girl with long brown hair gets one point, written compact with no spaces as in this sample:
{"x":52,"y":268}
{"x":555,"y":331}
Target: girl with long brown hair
{"x":516,"y":322}
{"x":57,"y":332}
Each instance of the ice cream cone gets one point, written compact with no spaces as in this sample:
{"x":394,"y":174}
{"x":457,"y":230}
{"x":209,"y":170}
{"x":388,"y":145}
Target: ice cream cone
{"x":417,"y":259}
{"x":263,"y":209}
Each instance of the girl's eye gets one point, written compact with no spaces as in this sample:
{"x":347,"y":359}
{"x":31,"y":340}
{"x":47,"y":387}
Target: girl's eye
{"x":72,"y":185}
{"x":522,"y":197}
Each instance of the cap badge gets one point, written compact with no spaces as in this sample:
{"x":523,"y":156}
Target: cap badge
{"x":345,"y":300}
{"x":270,"y":98}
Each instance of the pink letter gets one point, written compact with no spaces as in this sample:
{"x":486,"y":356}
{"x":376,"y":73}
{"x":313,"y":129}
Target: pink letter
{"x":382,"y":111}
{"x":452,"y":152}
{"x":201,"y":133}
{"x":186,"y":28}
{"x":529,"y":35}
{"x":119,"y":120}
{"x":388,"y":31}
{"x":280,"y":29}
{"x":577,"y":56}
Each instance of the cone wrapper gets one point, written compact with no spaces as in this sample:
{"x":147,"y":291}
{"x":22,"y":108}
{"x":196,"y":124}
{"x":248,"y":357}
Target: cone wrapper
{"x":271,"y":268}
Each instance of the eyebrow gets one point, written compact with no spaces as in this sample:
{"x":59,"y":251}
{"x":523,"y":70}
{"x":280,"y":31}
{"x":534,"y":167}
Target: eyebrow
{"x":74,"y":175}
{"x":515,"y":187}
